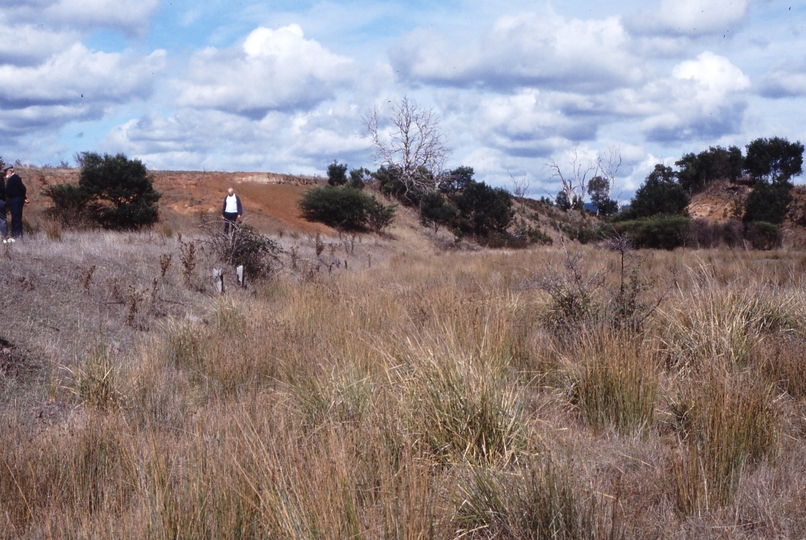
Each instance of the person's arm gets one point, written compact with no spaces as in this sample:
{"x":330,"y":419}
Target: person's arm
{"x":240,"y":208}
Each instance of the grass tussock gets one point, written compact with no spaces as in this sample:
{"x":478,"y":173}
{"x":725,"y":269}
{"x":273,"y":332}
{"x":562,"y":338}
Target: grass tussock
{"x":613,"y":381}
{"x":541,"y":501}
{"x":711,"y":322}
{"x":727,"y":423}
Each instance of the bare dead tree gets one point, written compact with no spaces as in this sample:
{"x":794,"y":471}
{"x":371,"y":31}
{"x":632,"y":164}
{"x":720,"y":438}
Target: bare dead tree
{"x":607,"y":166}
{"x":520,"y":186}
{"x":573,"y":184}
{"x":412,"y":146}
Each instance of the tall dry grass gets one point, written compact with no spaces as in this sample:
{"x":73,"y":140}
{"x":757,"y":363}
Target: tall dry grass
{"x":435,"y":396}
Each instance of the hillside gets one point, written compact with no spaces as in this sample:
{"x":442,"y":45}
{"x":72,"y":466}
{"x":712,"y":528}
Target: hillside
{"x":722,"y":200}
{"x":269,"y":199}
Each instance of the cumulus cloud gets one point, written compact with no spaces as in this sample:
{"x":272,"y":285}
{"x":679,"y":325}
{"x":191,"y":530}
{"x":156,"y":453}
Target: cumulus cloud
{"x":530,"y":124}
{"x":691,"y":17}
{"x":28,"y":44}
{"x":703,"y":98}
{"x":84,"y":15}
{"x":785,"y":79}
{"x":294,"y":142}
{"x":530,"y":49}
{"x":274,"y":69}
{"x":75,"y":84}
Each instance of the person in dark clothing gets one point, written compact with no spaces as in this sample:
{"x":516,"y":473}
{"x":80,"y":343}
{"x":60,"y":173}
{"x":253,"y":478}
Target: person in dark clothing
{"x":3,"y":222}
{"x":232,"y":210}
{"x":15,"y":192}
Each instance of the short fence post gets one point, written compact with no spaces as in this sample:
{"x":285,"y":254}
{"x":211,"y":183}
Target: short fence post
{"x":241,"y":279}
{"x":218,"y":277}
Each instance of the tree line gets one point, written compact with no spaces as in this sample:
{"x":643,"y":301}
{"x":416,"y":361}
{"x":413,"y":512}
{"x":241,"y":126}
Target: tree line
{"x":657,"y":215}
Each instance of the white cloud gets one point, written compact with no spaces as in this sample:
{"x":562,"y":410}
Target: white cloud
{"x":529,"y":123}
{"x":75,"y":84}
{"x":703,"y":98}
{"x":27,"y":44}
{"x":785,"y":79}
{"x":529,"y":49}
{"x":692,"y":17}
{"x":84,"y":15}
{"x":274,"y":69}
{"x":297,"y":142}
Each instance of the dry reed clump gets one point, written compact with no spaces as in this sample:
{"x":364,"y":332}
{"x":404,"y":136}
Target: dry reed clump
{"x":612,"y":379}
{"x":95,"y":378}
{"x":225,"y":356}
{"x":462,"y":409}
{"x":88,"y":471}
{"x":781,"y":361}
{"x":711,"y":322}
{"x":53,"y":229}
{"x":727,"y":423}
{"x":540,"y":500}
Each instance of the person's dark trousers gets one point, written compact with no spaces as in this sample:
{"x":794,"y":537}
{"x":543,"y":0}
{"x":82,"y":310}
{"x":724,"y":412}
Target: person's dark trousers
{"x":229,"y":219}
{"x":3,"y":223}
{"x":15,"y":205}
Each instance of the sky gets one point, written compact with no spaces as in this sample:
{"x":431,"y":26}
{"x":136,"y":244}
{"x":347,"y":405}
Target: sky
{"x":284,"y":86}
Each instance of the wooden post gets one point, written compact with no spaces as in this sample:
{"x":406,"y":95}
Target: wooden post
{"x":218,"y":277}
{"x":241,"y":279}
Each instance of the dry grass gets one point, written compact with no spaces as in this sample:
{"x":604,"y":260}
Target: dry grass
{"x":430,"y":396}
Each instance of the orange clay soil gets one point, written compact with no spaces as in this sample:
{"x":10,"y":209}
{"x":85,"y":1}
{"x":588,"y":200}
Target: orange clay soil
{"x":269,"y":200}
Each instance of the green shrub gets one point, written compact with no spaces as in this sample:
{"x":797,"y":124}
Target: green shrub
{"x":659,"y":232}
{"x":763,"y":235}
{"x":483,"y":209}
{"x":659,"y":194}
{"x":125,"y":185}
{"x":71,"y":204}
{"x":337,"y":173}
{"x":767,"y":202}
{"x":536,"y":236}
{"x":379,"y":215}
{"x":345,"y":208}
{"x":113,"y":191}
{"x":435,"y":210}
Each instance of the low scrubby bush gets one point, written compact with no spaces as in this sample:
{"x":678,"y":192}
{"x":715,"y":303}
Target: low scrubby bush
{"x":245,"y":246}
{"x":764,"y":235}
{"x":345,"y":208}
{"x":663,"y":231}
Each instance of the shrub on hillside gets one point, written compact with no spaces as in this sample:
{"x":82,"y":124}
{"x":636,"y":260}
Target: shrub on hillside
{"x":436,"y":210}
{"x":345,"y":208}
{"x":659,"y":232}
{"x":767,"y":202}
{"x":337,"y":173}
{"x":763,"y":235}
{"x":113,"y":191}
{"x":659,"y":194}
{"x":483,"y":209}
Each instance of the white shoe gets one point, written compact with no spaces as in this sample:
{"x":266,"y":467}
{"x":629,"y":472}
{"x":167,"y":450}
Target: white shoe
{"x":5,"y":241}
{"x":11,"y":240}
